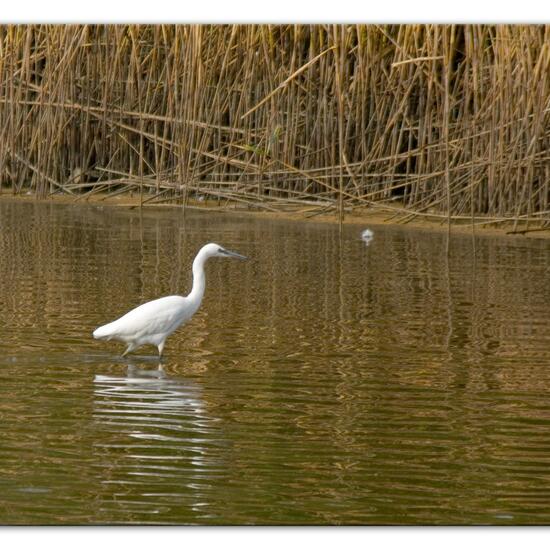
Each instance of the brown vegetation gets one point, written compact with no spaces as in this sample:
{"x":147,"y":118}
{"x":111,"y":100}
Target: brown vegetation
{"x":449,"y":121}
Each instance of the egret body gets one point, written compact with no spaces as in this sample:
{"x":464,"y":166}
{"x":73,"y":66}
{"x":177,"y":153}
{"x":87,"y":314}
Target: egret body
{"x":153,"y":322}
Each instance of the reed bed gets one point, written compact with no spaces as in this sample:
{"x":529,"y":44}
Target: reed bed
{"x":446,"y":121}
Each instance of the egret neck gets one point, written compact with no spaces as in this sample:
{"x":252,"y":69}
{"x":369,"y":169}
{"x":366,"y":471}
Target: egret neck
{"x":199,"y":281}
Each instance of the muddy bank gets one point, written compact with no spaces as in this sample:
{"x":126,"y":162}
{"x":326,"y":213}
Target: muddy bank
{"x":379,"y":214}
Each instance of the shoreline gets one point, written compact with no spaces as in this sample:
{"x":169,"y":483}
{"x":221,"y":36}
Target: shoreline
{"x":359,"y":216}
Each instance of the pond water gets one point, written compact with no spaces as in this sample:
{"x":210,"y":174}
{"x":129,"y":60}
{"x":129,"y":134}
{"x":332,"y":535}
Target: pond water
{"x":324,"y":381}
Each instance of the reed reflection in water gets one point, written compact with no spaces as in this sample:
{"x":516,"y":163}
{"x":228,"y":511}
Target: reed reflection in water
{"x":324,"y":381}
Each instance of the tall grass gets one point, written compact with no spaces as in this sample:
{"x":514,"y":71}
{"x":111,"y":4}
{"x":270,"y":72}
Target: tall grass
{"x":449,"y":121}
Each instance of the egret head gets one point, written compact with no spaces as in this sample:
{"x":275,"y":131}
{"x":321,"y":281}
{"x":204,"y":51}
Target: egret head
{"x":213,"y":249}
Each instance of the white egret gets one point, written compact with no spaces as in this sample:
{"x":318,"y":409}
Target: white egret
{"x":153,"y":322}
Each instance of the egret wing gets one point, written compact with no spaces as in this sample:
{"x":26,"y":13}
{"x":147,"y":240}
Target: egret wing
{"x":158,"y":316}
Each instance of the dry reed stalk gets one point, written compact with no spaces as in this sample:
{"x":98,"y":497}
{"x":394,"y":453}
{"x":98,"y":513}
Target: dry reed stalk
{"x":450,"y":119}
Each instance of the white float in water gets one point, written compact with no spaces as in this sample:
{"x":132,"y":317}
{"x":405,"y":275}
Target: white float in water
{"x":367,"y":235}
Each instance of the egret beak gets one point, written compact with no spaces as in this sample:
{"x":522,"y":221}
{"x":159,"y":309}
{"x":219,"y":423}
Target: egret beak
{"x":235,"y":255}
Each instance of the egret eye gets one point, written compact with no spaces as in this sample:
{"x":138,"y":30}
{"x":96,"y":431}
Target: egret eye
{"x":221,"y":250}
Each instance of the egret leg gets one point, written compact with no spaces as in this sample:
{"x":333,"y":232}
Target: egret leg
{"x":160,"y":348}
{"x":130,"y":348}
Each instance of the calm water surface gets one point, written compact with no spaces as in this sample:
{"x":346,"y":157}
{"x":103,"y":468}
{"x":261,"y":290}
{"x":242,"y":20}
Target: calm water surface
{"x":322,"y":382}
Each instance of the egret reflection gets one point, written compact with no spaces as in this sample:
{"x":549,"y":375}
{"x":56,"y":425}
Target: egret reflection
{"x":157,"y":438}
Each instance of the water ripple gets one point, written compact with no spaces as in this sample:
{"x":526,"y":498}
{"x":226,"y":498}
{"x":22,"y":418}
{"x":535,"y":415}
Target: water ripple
{"x":321,"y":382}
